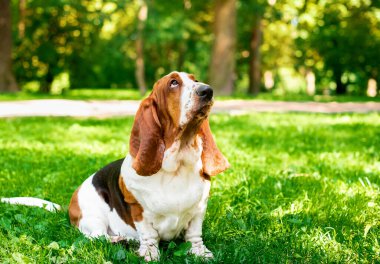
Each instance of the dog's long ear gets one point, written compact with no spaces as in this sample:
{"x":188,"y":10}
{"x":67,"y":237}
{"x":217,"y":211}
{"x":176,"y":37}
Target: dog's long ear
{"x":212,"y":159}
{"x":146,"y":144}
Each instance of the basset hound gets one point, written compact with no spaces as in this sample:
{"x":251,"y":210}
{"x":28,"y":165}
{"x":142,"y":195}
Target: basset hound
{"x":159,"y":191}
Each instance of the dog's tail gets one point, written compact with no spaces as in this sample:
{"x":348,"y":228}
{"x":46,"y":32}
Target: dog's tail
{"x":31,"y":201}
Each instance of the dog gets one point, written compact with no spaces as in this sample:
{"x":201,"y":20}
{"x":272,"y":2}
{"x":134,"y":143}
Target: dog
{"x":159,"y":191}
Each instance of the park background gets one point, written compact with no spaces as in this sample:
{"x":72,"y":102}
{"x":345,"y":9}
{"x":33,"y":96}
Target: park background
{"x":303,"y":186}
{"x":303,"y":47}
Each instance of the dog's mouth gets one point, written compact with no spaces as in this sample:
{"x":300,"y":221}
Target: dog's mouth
{"x":204,"y":109}
{"x":198,"y":115}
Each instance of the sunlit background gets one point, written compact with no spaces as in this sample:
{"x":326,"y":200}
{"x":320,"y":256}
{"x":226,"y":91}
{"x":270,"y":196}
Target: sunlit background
{"x":277,"y":47}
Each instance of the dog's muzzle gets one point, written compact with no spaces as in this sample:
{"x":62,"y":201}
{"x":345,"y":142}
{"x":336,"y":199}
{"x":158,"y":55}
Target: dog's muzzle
{"x":205,"y":92}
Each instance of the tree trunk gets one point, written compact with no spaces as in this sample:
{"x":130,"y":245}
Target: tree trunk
{"x":372,"y":87}
{"x":7,"y":80}
{"x":45,"y":85}
{"x":255,"y":58}
{"x":21,"y":21}
{"x":310,"y":82}
{"x":222,"y":67}
{"x":140,"y":67}
{"x":341,"y":88}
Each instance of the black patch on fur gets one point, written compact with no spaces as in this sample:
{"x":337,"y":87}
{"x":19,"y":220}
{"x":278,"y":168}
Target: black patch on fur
{"x":106,"y":183}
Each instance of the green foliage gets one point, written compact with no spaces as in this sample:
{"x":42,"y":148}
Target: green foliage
{"x":65,"y":36}
{"x":340,"y":40}
{"x":94,"y":41}
{"x":302,"y":188}
{"x":78,"y":94}
{"x":178,"y":37}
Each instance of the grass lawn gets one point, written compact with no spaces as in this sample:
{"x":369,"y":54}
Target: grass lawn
{"x":303,"y":188}
{"x":133,"y":94}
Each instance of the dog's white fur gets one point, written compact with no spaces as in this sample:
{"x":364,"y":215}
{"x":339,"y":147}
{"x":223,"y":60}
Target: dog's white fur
{"x":187,"y":96}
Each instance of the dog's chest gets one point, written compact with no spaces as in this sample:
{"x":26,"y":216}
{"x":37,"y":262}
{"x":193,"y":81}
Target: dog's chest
{"x":171,"y":197}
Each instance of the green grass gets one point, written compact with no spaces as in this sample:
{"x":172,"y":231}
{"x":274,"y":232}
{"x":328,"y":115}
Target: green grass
{"x":303,"y":188}
{"x":133,"y":94}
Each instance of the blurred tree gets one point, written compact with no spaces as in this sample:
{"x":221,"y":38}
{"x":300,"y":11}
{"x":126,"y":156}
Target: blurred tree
{"x":338,"y":39}
{"x":222,"y":66}
{"x":307,"y":58}
{"x":255,"y":58}
{"x":21,"y":18}
{"x":7,"y":80}
{"x":177,"y":36}
{"x":265,"y":42}
{"x":57,"y":34}
{"x":140,"y":69}
{"x":108,"y":58}
{"x":279,"y":32}
{"x":112,"y":43}
{"x":251,"y":14}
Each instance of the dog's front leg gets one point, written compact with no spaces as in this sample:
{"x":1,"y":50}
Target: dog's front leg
{"x":193,"y":234}
{"x":149,"y":240}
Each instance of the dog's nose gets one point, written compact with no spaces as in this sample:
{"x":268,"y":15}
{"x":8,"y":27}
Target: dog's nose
{"x":205,"y":92}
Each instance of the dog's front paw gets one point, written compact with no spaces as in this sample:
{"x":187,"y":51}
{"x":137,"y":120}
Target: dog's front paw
{"x":149,"y":252}
{"x":200,"y":250}
{"x":116,"y":239}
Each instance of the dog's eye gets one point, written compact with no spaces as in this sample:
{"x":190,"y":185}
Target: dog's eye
{"x":196,"y":81}
{"x":174,"y":84}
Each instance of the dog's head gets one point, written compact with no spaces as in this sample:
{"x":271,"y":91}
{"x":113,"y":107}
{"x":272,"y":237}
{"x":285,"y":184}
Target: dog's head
{"x":177,"y":109}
